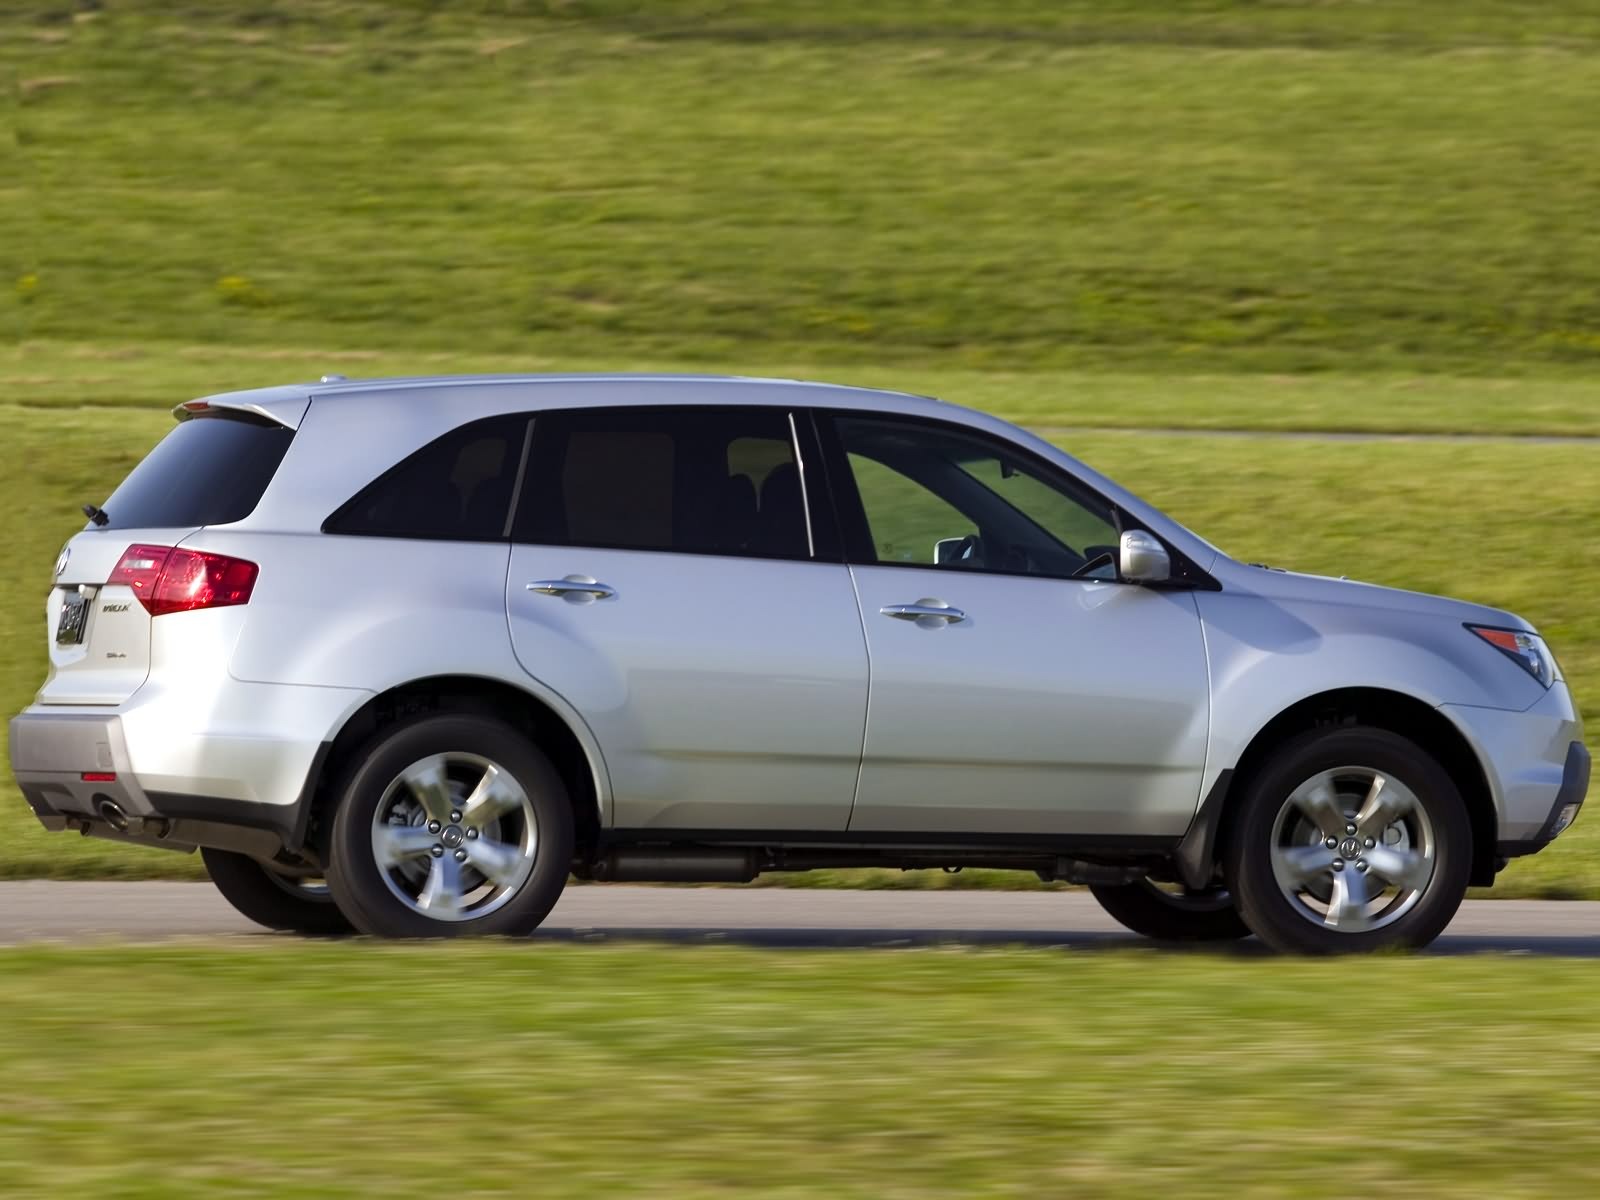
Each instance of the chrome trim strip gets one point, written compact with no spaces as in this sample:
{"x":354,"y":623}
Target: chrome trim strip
{"x":805,"y":496}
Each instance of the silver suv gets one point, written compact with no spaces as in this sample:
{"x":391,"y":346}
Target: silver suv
{"x":402,"y":655}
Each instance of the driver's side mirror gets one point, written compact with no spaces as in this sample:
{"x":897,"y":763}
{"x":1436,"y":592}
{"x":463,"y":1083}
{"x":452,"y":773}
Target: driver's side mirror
{"x":1141,"y":558}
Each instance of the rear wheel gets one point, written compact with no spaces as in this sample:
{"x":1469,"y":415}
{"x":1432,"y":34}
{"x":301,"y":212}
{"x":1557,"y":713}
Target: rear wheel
{"x":1173,"y":913}
{"x":274,"y":898}
{"x":450,"y":826}
{"x":1348,"y":840}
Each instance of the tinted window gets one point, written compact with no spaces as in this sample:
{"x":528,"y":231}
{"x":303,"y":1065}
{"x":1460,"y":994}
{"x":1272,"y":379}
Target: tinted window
{"x":456,"y":488}
{"x":697,"y":481}
{"x":208,"y":471}
{"x":938,"y":497}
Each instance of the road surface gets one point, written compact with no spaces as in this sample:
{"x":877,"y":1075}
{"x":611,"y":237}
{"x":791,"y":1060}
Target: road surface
{"x":142,"y":912}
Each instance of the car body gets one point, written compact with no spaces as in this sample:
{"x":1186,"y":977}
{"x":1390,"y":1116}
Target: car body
{"x":748,"y":625}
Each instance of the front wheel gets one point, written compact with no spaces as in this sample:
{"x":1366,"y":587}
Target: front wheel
{"x":450,"y":826}
{"x":1172,"y":914}
{"x":276,"y":899}
{"x":1350,"y":839}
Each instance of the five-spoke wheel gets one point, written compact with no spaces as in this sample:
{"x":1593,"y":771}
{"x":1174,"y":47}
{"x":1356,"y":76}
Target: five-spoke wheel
{"x":274,"y":895}
{"x":448,"y":825}
{"x":1171,"y":912}
{"x":1353,"y":849}
{"x":1349,"y":839}
{"x":455,"y":836}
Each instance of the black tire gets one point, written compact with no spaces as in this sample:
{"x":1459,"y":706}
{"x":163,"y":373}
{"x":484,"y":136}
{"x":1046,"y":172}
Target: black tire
{"x":1187,"y":916}
{"x":363,"y":889}
{"x":1281,"y":921}
{"x":273,"y":899}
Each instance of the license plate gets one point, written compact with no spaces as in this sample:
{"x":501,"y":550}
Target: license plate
{"x":74,"y":616}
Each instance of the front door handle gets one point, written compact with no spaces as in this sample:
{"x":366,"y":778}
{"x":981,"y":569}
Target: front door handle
{"x":573,"y":585}
{"x":925,"y":609}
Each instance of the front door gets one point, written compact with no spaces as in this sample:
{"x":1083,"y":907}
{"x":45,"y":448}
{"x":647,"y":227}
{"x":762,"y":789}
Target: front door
{"x":664,"y":581}
{"x":1017,"y":686}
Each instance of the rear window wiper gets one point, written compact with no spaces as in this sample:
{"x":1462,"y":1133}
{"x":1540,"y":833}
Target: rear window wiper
{"x":97,"y":515}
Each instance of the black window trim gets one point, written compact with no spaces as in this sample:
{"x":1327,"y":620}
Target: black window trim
{"x":822,"y":530}
{"x":383,"y":476}
{"x":856,"y":532}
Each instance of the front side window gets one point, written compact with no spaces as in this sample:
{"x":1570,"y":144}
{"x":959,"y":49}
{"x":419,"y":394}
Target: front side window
{"x":934,"y":496}
{"x":457,"y":488}
{"x":694,"y":481}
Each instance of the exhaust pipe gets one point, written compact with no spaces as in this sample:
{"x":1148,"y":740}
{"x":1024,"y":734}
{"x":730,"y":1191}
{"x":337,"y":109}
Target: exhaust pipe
{"x":111,"y":813}
{"x":670,"y":865}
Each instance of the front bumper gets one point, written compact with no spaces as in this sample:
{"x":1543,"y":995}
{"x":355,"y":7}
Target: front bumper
{"x":1535,"y":763}
{"x":1564,"y":808}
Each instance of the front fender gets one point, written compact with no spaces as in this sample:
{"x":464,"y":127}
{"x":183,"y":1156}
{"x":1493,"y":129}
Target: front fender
{"x":1266,"y":655}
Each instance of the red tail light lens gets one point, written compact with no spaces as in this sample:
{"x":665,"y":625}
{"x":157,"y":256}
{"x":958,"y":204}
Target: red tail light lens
{"x":168,"y":579}
{"x":139,"y":568}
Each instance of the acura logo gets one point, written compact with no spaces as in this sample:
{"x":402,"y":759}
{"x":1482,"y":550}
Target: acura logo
{"x":61,"y":563}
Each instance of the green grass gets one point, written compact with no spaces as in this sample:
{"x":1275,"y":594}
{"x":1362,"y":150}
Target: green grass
{"x":1136,"y":184}
{"x":1506,"y":523}
{"x":357,"y":1070}
{"x":49,"y":374}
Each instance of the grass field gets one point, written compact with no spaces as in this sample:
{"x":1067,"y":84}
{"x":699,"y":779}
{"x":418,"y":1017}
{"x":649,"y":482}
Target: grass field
{"x":1138,"y":184}
{"x":291,"y":1069}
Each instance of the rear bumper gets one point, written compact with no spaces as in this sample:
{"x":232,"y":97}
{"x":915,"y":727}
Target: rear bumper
{"x":52,"y":753}
{"x":241,"y":783}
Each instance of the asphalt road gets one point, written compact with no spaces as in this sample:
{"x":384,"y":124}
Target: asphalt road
{"x":141,"y":912}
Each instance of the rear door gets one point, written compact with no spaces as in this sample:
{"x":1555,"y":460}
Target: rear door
{"x":669,"y":581}
{"x":1017,"y":686}
{"x":210,"y":470}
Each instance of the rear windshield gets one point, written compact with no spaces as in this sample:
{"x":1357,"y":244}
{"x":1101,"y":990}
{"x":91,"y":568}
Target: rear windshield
{"x":208,"y":471}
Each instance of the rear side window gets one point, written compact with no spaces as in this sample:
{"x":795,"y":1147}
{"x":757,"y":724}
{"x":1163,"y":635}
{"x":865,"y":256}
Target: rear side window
{"x":210,"y":470}
{"x":694,"y":481}
{"x":456,"y":488}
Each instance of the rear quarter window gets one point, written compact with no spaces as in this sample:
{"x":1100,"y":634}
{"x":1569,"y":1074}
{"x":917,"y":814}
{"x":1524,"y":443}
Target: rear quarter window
{"x":210,"y":470}
{"x":456,"y":488}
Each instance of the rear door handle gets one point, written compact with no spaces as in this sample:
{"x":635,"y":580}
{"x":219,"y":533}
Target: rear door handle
{"x":573,"y":585}
{"x":924,"y":610}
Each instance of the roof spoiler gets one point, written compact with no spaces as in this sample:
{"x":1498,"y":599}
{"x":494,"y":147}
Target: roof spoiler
{"x":286,"y":412}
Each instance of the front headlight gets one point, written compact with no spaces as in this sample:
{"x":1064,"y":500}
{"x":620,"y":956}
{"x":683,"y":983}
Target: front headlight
{"x":1527,"y":650}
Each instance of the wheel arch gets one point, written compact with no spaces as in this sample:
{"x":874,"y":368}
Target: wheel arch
{"x":573,"y":753}
{"x":1398,"y":713}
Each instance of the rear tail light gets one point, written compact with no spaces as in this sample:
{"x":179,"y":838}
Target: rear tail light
{"x":168,"y":579}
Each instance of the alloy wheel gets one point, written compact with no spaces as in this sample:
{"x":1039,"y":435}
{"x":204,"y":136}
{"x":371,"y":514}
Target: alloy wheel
{"x":455,"y":836}
{"x":1353,"y":849}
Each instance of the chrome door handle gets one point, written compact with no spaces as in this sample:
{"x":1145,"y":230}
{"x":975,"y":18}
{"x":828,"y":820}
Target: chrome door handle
{"x":923,"y":609}
{"x":573,"y":585}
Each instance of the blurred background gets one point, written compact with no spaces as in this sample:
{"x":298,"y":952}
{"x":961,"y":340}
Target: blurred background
{"x":1321,"y":279}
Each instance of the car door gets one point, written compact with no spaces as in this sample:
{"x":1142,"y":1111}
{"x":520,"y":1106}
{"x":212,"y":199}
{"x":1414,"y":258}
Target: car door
{"x":1016,"y":686}
{"x":665,"y":580}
